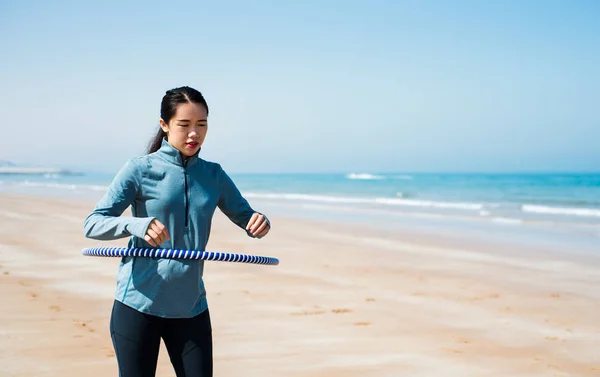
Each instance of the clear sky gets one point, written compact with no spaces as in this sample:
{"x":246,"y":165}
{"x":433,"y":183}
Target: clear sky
{"x":308,"y":86}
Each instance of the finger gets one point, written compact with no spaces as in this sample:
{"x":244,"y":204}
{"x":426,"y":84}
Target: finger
{"x":157,"y":227}
{"x":252,"y":220}
{"x":160,"y":229}
{"x":259,"y":221}
{"x":153,"y":235}
{"x":149,"y":240}
{"x":261,"y":228}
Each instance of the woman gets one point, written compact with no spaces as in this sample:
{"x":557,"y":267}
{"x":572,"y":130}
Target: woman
{"x":173,"y":195}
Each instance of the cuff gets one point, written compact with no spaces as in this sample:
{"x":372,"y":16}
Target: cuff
{"x":139,"y":226}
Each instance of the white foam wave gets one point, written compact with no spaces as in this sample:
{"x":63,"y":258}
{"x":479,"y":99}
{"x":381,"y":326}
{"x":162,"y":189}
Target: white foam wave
{"x":507,"y":220}
{"x":362,"y":200}
{"x":63,"y":186}
{"x":586,"y":212}
{"x":365,"y":176}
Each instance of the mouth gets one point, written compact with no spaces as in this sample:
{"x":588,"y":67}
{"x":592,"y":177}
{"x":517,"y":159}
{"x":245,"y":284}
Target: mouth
{"x":192,"y":144}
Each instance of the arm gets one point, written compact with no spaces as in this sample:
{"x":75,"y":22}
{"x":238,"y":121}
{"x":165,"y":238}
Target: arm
{"x":105,"y":223}
{"x":233,"y":204}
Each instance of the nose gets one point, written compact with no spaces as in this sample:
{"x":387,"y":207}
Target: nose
{"x":195,"y":131}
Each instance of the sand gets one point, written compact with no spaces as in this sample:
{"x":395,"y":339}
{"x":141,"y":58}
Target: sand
{"x":344,"y":301}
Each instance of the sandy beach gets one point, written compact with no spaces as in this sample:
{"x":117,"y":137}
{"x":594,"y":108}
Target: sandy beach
{"x":344,"y":301}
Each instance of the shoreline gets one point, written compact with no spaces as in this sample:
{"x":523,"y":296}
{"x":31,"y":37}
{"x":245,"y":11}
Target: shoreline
{"x":345,"y":301}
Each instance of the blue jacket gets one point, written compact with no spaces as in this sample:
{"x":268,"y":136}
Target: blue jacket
{"x":181,"y":194}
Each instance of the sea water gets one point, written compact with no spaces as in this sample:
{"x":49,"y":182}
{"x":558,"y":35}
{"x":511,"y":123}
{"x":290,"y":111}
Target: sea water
{"x":562,"y":209}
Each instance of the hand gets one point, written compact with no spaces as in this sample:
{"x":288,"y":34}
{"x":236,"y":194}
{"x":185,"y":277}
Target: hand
{"x":156,"y":233}
{"x":258,"y":225}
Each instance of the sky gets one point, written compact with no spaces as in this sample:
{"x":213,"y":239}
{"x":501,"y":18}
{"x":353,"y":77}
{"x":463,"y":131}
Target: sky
{"x":311,"y":86}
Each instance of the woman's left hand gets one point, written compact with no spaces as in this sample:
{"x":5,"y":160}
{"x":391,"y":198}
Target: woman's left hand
{"x":258,"y":225}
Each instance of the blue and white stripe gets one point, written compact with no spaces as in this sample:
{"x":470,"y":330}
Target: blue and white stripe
{"x":178,"y":254}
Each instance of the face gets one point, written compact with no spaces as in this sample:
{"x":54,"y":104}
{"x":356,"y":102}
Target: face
{"x":187,"y":129}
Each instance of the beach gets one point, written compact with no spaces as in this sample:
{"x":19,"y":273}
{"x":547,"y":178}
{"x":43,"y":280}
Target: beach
{"x":345,"y":300}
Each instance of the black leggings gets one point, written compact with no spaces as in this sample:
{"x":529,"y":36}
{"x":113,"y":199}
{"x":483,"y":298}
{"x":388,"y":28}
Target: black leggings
{"x":136,"y":337}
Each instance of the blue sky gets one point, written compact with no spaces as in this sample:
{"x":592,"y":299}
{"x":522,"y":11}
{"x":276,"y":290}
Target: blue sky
{"x":332,"y":86}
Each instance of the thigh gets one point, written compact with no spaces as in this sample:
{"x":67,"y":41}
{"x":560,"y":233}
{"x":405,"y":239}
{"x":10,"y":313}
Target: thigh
{"x":136,"y":339}
{"x":189,"y":343}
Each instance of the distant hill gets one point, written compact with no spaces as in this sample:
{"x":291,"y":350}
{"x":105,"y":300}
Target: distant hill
{"x":9,"y":167}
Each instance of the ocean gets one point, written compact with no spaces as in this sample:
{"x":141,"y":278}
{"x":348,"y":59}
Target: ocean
{"x":558,"y":208}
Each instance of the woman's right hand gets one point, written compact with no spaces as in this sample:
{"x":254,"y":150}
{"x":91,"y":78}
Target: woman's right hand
{"x":156,"y":233}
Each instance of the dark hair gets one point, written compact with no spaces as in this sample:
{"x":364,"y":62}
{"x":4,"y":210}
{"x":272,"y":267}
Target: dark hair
{"x":171,"y":100}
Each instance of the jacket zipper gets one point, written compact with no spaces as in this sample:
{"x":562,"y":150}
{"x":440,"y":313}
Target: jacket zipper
{"x":186,"y":196}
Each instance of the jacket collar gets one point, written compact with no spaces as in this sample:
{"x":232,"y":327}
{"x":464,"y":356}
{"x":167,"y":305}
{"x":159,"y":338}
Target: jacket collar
{"x":170,"y":154}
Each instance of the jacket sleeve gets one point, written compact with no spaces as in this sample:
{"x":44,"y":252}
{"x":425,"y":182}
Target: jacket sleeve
{"x":233,"y":204}
{"x":105,"y":223}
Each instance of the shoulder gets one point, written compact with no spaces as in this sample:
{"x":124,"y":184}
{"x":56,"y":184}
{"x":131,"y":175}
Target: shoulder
{"x":137,"y":167}
{"x":130,"y":170}
{"x":214,"y":169}
{"x":137,"y":164}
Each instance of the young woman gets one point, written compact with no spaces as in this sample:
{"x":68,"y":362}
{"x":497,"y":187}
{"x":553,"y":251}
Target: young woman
{"x":173,"y":195}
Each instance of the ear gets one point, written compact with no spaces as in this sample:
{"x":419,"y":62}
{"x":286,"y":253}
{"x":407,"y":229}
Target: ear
{"x":164,"y":126}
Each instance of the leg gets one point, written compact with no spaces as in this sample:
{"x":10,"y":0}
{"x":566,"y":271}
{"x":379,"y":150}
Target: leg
{"x":189,"y":343}
{"x":136,"y":339}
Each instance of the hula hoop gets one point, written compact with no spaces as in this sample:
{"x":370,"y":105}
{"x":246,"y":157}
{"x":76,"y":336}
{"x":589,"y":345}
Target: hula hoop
{"x":178,"y":254}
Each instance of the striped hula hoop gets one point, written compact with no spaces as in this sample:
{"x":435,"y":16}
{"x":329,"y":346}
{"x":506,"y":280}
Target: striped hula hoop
{"x":178,"y":254}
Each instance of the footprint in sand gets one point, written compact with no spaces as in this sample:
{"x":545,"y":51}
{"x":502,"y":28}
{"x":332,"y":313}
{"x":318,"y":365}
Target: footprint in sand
{"x":337,"y":311}
{"x":110,"y":352}
{"x":555,"y":295}
{"x":55,"y":308}
{"x":6,"y":272}
{"x":453,"y":350}
{"x":309,"y":312}
{"x":370,"y":299}
{"x":33,"y":294}
{"x":83,"y":325}
{"x":364,"y":324}
{"x":481,"y":298}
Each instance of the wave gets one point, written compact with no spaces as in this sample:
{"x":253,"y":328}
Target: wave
{"x":64,"y":186}
{"x":369,"y":176}
{"x":546,"y":210}
{"x":362,"y":200}
{"x":364,"y":176}
{"x":507,"y":220}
